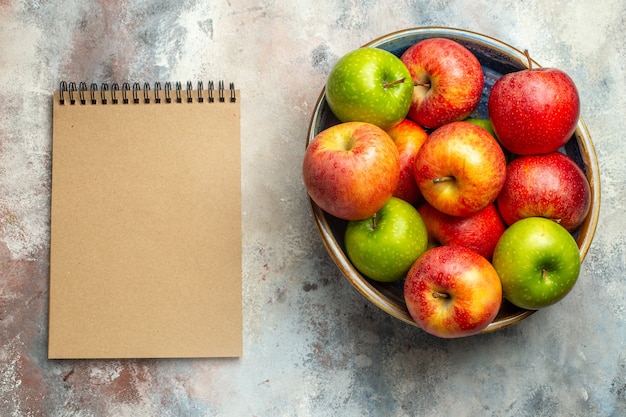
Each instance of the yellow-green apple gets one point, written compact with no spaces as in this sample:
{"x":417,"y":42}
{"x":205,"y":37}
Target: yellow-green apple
{"x":479,"y":231}
{"x":369,"y":85}
{"x":451,"y":291}
{"x":408,"y":137}
{"x":351,"y":169}
{"x":547,"y":185}
{"x":460,"y":169}
{"x":384,"y":246}
{"x":538,"y":262}
{"x":448,"y":81}
{"x":484,"y":123}
{"x":534,"y":110}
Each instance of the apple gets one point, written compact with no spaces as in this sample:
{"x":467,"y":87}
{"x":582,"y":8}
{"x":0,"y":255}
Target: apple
{"x":384,"y":246}
{"x":351,"y":169}
{"x":369,"y":85}
{"x":448,"y":81}
{"x":535,"y":110}
{"x":479,"y":231}
{"x":451,"y":291}
{"x":408,"y":137}
{"x":547,"y":185}
{"x":484,"y":123}
{"x":460,"y":169}
{"x":538,"y":262}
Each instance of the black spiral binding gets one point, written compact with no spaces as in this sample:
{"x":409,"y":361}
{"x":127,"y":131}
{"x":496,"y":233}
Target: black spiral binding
{"x":128,"y":93}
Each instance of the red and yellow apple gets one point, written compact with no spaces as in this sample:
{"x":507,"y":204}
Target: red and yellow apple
{"x":451,"y":291}
{"x":351,"y":169}
{"x":479,"y":231}
{"x":548,"y":185}
{"x":460,"y":169}
{"x":408,"y":137}
{"x":535,"y":110}
{"x":448,"y":81}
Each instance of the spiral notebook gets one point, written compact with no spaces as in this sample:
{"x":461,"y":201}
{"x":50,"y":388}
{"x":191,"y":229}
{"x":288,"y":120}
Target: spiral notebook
{"x":145,"y":233}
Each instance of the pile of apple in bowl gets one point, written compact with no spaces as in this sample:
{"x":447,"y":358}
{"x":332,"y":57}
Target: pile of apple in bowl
{"x":452,"y":179}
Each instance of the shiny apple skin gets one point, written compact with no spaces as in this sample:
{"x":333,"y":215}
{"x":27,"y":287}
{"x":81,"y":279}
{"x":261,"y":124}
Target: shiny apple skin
{"x":408,"y":137}
{"x":538,"y":263}
{"x":534,"y":111}
{"x":369,"y":85}
{"x":479,"y":232}
{"x":550,"y":186}
{"x":448,"y":81}
{"x":350,"y":170}
{"x":384,"y":247}
{"x":471,"y":158}
{"x":470,"y":285}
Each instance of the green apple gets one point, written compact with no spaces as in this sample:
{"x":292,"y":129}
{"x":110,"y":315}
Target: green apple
{"x":484,"y":123}
{"x":369,"y":85}
{"x":384,"y":246}
{"x":538,"y":262}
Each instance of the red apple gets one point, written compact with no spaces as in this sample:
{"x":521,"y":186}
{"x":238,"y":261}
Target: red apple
{"x":350,"y":170}
{"x":408,"y":137}
{"x":535,"y":110}
{"x":451,"y":291}
{"x":448,"y":81}
{"x":549,"y":185}
{"x":460,"y":169}
{"x":479,"y":231}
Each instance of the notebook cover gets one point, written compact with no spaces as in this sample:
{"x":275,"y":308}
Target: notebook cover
{"x":145,"y":240}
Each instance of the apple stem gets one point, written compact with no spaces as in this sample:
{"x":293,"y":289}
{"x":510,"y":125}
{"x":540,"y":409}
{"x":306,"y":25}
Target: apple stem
{"x":530,"y":61}
{"x":544,"y":274}
{"x":427,"y":85}
{"x":438,"y":294}
{"x":443,"y":179}
{"x":391,"y":83}
{"x":374,"y":222}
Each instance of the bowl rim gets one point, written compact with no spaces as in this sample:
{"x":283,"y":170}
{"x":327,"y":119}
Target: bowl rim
{"x":583,"y":138}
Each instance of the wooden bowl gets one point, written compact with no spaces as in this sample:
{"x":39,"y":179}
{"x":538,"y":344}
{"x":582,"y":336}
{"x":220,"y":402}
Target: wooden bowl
{"x":496,"y":58}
